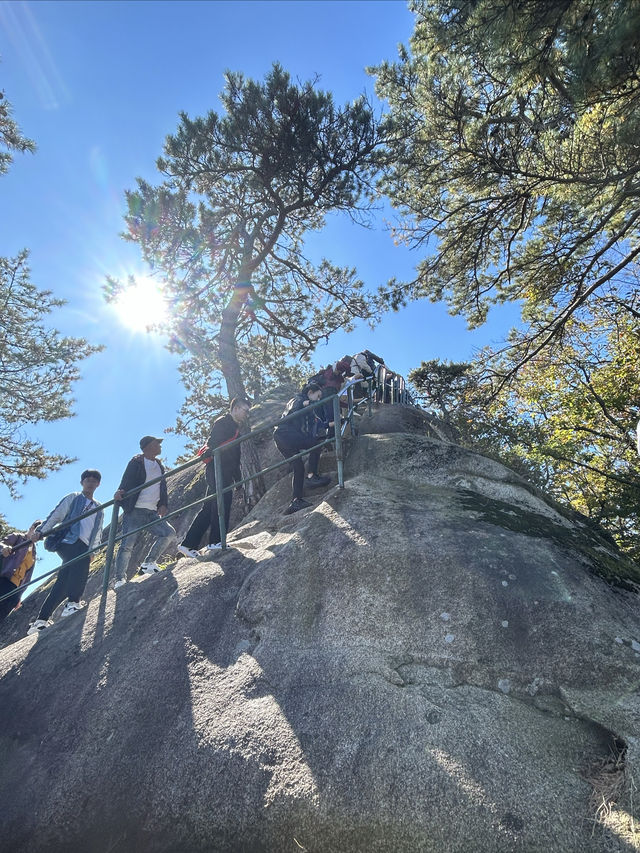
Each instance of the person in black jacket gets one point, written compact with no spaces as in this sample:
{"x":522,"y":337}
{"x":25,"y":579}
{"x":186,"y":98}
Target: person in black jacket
{"x":143,"y":507}
{"x":225,"y":429}
{"x":299,"y":434}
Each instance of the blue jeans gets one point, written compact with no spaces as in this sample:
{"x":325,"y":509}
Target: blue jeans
{"x":162,"y":530}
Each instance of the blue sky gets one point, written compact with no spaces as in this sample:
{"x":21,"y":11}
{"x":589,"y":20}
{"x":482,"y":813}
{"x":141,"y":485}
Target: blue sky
{"x":98,"y":86}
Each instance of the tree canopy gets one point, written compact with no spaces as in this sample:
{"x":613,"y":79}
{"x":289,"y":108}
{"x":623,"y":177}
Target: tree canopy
{"x":516,"y":172}
{"x":568,"y":424}
{"x":226,"y":227}
{"x":517,"y":164}
{"x":38,"y":366}
{"x":11,"y":137}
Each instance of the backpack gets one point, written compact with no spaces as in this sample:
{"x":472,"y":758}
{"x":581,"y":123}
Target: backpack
{"x":363,"y":363}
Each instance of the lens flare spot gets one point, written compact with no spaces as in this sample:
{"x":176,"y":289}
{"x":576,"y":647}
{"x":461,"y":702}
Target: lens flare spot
{"x":142,"y":306}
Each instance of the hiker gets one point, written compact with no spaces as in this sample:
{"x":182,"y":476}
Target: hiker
{"x":148,"y":505}
{"x":18,"y":551}
{"x":299,"y":434}
{"x":225,"y":429}
{"x":73,"y":541}
{"x":330,"y":379}
{"x":363,"y":364}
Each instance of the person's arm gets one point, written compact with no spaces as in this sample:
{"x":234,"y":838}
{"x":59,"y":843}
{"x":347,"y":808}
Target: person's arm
{"x":128,"y":480}
{"x":6,"y":546}
{"x":58,"y":514}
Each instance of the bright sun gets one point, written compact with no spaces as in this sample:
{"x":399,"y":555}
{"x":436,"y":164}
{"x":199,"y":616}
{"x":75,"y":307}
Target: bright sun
{"x":141,"y":305}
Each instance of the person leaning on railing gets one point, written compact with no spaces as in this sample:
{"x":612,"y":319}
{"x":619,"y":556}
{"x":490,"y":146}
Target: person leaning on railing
{"x":330,"y":379}
{"x":299,"y":434}
{"x":18,"y":551}
{"x":225,"y":429}
{"x":143,"y":507}
{"x":71,"y":542}
{"x":363,"y":365}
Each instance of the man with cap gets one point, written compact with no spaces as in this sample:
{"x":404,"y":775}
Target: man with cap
{"x":143,"y":507}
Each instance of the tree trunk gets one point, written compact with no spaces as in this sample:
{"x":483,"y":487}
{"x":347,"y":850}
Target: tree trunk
{"x":227,"y":350}
{"x":250,"y":463}
{"x":230,"y":366}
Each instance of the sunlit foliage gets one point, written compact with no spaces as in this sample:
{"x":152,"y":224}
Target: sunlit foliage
{"x":38,"y":366}
{"x":225,"y":228}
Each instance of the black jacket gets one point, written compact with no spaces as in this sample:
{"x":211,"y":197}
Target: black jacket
{"x":135,"y":475}
{"x":224,"y":430}
{"x":305,"y":426}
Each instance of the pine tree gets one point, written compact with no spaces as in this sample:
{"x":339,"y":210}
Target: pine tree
{"x":226,"y":227}
{"x":38,"y":366}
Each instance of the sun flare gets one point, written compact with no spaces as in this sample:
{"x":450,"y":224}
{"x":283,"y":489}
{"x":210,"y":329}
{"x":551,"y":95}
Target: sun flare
{"x":141,"y":305}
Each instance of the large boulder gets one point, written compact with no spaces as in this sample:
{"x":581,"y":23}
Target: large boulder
{"x":428,"y":660}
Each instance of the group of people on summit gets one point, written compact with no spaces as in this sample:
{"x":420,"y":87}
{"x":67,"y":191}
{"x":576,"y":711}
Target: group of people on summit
{"x":148,"y":505}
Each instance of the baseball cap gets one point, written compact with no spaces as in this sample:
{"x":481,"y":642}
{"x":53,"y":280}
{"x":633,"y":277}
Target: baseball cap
{"x":147,"y":439}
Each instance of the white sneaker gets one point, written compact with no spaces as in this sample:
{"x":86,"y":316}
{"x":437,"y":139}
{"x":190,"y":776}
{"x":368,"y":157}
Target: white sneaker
{"x":72,"y":607}
{"x":149,"y":569}
{"x":188,"y":552}
{"x":209,"y":548}
{"x":119,"y":583}
{"x":38,"y":626}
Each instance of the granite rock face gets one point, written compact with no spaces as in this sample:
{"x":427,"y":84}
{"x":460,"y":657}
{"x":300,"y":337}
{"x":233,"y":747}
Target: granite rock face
{"x":427,"y":660}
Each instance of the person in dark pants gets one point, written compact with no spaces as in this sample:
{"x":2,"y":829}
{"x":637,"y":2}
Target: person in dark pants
{"x":80,"y":537}
{"x":299,"y":434}
{"x":18,"y":559}
{"x":143,"y":507}
{"x":225,"y":429}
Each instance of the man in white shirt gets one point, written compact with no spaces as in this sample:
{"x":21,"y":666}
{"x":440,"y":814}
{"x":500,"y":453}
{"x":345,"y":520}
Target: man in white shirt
{"x":143,"y":507}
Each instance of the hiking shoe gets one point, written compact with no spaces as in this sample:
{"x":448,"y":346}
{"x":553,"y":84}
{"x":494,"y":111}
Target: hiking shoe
{"x":149,"y":569}
{"x":188,"y":552}
{"x":316,"y":481}
{"x":72,"y":607}
{"x":295,"y":505}
{"x":120,"y":582}
{"x":38,"y":626}
{"x":209,"y":548}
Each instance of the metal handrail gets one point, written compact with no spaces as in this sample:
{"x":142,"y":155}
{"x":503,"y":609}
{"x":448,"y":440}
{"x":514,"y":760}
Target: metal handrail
{"x":397,"y":394}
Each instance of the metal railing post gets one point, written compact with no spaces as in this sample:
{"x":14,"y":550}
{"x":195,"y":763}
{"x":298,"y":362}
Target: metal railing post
{"x":350,"y":407}
{"x":369,"y":395}
{"x":108,"y":557}
{"x":217,"y":467}
{"x":338,"y":436}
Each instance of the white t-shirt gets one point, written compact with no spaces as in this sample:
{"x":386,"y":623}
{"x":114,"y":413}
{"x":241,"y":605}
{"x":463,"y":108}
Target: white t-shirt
{"x":86,"y":525}
{"x":149,"y":498}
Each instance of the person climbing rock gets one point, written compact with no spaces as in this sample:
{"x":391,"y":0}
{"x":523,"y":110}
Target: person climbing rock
{"x":143,"y":507}
{"x":299,"y":434}
{"x":225,"y":429}
{"x":74,"y":541}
